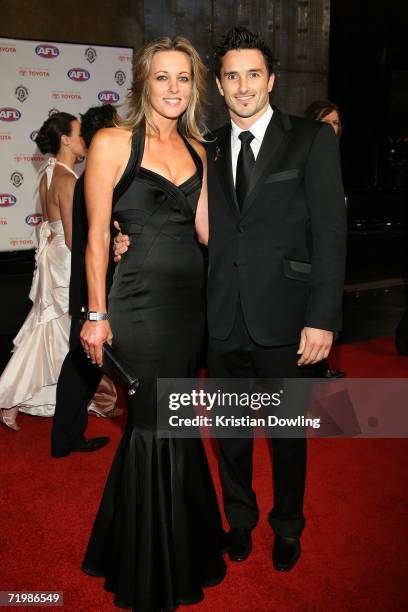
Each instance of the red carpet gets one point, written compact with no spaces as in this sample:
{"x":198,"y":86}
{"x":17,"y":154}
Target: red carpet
{"x":354,"y":546}
{"x":371,"y":359}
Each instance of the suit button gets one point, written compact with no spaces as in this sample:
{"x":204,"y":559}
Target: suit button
{"x":235,"y":264}
{"x":240,"y":229}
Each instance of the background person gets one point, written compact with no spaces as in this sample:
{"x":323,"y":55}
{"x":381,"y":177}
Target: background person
{"x":42,"y":342}
{"x":28,"y":383}
{"x":79,"y":380}
{"x":328,"y":112}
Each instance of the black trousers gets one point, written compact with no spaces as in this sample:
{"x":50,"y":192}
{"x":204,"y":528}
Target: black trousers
{"x":239,"y":357}
{"x":77,"y":383}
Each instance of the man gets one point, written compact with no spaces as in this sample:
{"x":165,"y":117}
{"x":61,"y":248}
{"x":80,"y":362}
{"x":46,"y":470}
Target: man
{"x":276,"y":269}
{"x":79,"y":379}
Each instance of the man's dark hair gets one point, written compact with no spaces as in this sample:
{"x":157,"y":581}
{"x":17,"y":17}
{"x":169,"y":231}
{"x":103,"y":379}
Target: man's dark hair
{"x":241,"y":38}
{"x":96,"y":118}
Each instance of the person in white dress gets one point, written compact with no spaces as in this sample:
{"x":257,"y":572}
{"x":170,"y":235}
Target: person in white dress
{"x":28,"y":383}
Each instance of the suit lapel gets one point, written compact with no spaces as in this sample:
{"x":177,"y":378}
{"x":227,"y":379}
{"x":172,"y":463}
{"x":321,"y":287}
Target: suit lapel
{"x":273,"y":144}
{"x":223,"y":167}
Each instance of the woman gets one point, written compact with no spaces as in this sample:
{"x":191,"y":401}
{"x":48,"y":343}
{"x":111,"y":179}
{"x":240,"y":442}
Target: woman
{"x":326,"y":111}
{"x":28,"y":384}
{"x":157,"y":537}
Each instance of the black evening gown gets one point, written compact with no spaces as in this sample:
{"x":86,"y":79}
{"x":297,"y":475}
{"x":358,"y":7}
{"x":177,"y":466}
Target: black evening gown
{"x":157,"y":536}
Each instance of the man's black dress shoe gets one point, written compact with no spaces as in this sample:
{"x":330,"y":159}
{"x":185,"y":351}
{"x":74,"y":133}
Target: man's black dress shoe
{"x":86,"y":446}
{"x":334,"y":373}
{"x":286,"y":551}
{"x":240,"y":544}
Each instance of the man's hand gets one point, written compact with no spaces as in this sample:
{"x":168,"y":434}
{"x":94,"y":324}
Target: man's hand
{"x":315,"y":345}
{"x":121,"y":243}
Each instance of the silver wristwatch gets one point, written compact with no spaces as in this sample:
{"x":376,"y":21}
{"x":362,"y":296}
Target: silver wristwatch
{"x":97,"y":316}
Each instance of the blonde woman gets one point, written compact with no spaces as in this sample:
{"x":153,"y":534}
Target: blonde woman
{"x":157,"y":537}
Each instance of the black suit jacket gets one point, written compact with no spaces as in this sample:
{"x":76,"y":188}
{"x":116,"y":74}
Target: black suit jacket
{"x":284,"y":254}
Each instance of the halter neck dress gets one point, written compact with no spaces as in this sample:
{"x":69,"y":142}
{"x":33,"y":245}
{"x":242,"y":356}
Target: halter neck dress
{"x":157,"y":537}
{"x":30,"y":378}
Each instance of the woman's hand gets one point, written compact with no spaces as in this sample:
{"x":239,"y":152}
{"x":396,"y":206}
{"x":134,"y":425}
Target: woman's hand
{"x":93,"y":336}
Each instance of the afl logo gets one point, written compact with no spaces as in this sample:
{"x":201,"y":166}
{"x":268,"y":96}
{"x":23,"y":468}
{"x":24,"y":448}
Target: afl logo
{"x":7,"y":199}
{"x":107,"y":97}
{"x":79,"y":74}
{"x":33,"y":135}
{"x":33,"y":220}
{"x":9,"y":114}
{"x":47,"y":51}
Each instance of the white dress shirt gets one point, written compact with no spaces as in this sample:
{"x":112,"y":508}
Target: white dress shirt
{"x":258,"y":129}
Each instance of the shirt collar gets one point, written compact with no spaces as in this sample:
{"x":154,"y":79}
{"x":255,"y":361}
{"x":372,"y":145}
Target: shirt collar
{"x":258,"y":128}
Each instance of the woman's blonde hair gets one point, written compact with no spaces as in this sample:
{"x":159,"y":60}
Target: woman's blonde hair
{"x":138,"y":99}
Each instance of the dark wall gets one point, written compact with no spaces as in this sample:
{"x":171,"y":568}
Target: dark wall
{"x":369,"y":81}
{"x":101,"y":22}
{"x":297,"y":32}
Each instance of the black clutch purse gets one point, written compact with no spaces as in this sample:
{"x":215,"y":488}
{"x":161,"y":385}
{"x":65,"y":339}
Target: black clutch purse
{"x":118,"y":371}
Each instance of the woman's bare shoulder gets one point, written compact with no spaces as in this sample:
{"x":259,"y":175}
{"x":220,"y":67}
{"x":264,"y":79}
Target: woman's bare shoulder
{"x":112,"y":135}
{"x":63,"y":179}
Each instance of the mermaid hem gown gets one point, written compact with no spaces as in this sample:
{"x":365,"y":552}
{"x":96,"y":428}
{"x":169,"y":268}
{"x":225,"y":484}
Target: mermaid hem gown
{"x":157,"y":537}
{"x":29,"y":380}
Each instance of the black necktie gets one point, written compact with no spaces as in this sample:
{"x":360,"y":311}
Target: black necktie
{"x":245,"y":164}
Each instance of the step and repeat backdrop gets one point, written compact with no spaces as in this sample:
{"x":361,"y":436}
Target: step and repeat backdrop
{"x":39,"y":79}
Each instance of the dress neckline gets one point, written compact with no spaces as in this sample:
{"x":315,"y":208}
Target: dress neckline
{"x":164,"y":178}
{"x":193,"y":153}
